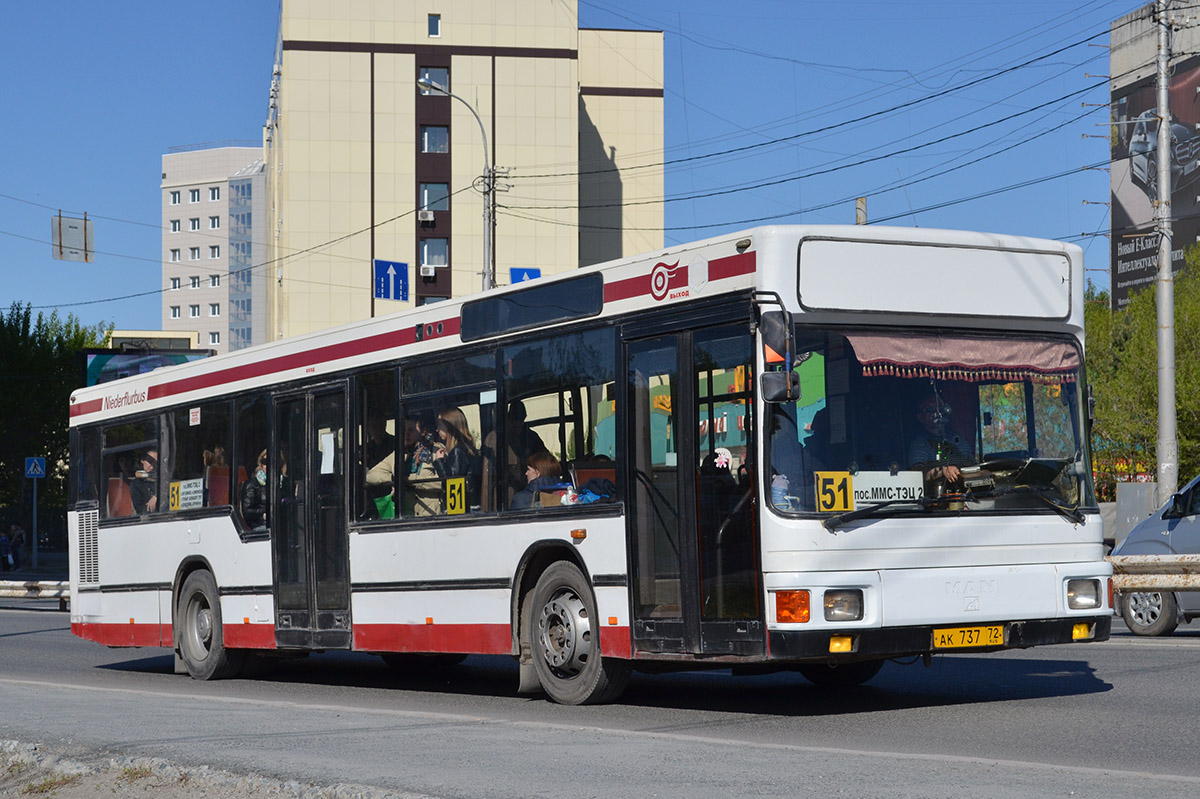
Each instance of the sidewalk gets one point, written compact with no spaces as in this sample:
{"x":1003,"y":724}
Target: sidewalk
{"x":52,"y":567}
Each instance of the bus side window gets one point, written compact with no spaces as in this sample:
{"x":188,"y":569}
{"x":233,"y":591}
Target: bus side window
{"x":559,"y":401}
{"x":249,"y":443}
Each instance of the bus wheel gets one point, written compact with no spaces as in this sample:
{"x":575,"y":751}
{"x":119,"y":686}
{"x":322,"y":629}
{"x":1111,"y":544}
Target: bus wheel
{"x":566,"y":641}
{"x":201,"y":640}
{"x":842,"y":675}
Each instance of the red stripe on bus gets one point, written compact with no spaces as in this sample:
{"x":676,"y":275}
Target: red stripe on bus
{"x":615,"y":642}
{"x":732,"y":266}
{"x":91,"y":406}
{"x":741,"y":264}
{"x":333,"y":352}
{"x":249,"y":636}
{"x":478,"y":639}
{"x":124,"y":634}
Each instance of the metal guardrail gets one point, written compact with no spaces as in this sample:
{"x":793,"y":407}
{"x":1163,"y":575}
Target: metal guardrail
{"x":1155,"y":572}
{"x":32,"y":589}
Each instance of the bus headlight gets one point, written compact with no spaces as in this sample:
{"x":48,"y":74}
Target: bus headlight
{"x":1083,"y":594}
{"x":844,"y":605}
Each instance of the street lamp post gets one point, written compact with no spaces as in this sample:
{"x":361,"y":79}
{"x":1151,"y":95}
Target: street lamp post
{"x":489,"y":185}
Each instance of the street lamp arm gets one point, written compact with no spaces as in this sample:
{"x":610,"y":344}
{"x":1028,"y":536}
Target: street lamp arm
{"x":489,"y":197}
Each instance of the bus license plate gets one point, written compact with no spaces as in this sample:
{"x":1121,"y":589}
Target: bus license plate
{"x":961,"y":637}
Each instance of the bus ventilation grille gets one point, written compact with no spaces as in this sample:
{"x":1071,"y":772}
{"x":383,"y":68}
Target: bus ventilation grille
{"x":89,"y":553}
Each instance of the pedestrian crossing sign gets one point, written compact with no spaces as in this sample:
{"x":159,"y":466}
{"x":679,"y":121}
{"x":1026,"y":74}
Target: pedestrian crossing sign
{"x":35,"y":467}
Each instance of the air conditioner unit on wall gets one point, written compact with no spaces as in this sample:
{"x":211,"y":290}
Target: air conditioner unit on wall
{"x":427,"y":271}
{"x":424,"y":216}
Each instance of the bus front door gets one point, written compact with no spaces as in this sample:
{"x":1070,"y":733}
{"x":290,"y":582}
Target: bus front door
{"x":309,"y":542}
{"x":694,"y":559}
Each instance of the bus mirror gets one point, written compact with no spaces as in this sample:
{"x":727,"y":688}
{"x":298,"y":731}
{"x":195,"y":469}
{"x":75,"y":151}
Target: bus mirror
{"x":776,"y":338}
{"x":780,"y":386}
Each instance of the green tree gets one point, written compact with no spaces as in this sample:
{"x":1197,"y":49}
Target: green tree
{"x":40,"y":365}
{"x":1122,"y":366}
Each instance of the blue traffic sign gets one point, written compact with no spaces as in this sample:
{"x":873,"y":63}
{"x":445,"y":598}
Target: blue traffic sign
{"x":35,"y":467}
{"x":520,"y":274}
{"x":391,"y":280}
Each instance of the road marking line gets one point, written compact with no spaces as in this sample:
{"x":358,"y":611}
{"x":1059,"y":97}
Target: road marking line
{"x":665,"y":736}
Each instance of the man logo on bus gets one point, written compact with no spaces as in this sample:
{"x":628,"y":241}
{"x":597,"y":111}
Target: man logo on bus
{"x":663,"y":279}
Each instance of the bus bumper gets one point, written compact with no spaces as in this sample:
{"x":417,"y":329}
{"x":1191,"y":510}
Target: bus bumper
{"x":907,"y":641}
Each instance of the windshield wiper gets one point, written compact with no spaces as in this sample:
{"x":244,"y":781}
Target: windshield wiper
{"x":865,"y":511}
{"x":1070,"y":512}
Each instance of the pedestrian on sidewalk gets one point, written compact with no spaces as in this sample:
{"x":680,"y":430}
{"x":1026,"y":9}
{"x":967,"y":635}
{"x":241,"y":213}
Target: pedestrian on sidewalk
{"x":16,"y":537}
{"x":6,"y":558}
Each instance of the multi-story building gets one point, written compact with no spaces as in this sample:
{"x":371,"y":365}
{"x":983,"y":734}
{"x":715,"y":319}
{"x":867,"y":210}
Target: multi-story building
{"x":364,"y":165}
{"x":212,"y":252}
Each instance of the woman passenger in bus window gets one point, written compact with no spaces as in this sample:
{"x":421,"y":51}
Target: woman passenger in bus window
{"x":459,"y":456}
{"x":255,"y":497}
{"x":544,"y":473}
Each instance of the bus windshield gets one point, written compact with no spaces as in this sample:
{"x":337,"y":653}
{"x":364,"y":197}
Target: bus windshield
{"x":924,"y":422}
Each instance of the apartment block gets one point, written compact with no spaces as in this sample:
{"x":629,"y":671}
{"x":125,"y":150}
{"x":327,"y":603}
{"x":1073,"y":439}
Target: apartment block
{"x":212,"y":253}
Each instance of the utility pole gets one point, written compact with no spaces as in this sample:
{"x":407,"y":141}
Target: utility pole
{"x":1164,"y":291}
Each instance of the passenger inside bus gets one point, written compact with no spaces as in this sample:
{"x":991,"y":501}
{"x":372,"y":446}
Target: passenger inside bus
{"x":458,"y":457}
{"x":543,"y":483}
{"x":255,"y":496}
{"x":143,"y":491}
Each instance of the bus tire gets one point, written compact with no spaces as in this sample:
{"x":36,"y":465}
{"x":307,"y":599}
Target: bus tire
{"x":565,"y":641}
{"x":842,"y":675}
{"x":201,"y":636}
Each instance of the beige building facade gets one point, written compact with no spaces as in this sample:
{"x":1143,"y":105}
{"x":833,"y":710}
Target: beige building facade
{"x":363,"y":165}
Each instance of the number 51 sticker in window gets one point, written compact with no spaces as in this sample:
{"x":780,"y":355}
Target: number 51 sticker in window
{"x":456,"y":496}
{"x":835,"y":491}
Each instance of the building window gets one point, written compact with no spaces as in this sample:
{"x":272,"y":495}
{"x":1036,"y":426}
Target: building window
{"x":214,"y":193}
{"x":174,"y":225}
{"x":175,"y":255}
{"x":434,"y":252}
{"x":435,"y":139}
{"x":174,"y":311}
{"x":193,"y":253}
{"x":439,"y":75}
{"x":435,"y":196}
{"x":214,"y":251}
{"x":174,"y":198}
{"x":193,"y":195}
{"x":194,"y":223}
{"x":214,"y":309}
{"x":214,"y":338}
{"x":195,"y":281}
{"x":174,"y":284}
{"x":214,"y":281}
{"x":435,"y":24}
{"x":194,"y":311}
{"x":214,"y":223}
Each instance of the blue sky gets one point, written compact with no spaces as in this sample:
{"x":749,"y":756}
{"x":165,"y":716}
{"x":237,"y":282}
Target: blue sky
{"x":960,"y":114}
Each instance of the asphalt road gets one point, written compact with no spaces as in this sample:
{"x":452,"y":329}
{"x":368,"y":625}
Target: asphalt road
{"x":1105,"y":720}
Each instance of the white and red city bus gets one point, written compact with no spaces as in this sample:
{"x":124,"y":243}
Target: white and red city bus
{"x":810,"y":448}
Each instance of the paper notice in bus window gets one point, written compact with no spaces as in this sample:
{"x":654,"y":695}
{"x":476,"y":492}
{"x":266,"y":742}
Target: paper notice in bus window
{"x":186,"y":494}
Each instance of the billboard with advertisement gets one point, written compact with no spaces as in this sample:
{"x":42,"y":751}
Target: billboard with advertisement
{"x":1135,"y":178}
{"x":103,"y":365}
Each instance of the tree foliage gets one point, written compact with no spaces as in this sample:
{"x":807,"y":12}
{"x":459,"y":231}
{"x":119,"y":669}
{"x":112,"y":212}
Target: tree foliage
{"x":1122,"y":367}
{"x":40,"y":365}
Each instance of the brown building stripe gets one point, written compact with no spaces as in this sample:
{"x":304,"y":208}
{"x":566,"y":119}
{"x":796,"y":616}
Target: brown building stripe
{"x":619,"y":91}
{"x":413,"y":49}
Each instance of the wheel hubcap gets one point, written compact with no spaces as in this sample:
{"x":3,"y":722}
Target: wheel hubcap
{"x":201,"y":627}
{"x":1145,"y":608}
{"x":565,"y":633}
